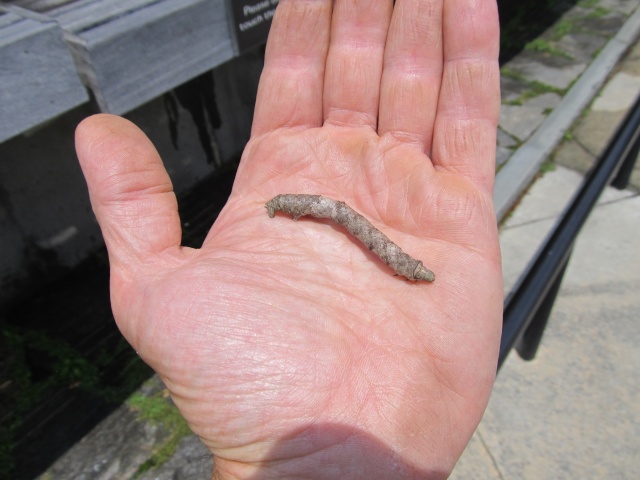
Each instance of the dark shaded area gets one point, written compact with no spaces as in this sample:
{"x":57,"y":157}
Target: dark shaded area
{"x":198,"y":98}
{"x":336,"y":444}
{"x":64,"y":365}
{"x":521,"y":22}
{"x":251,"y":28}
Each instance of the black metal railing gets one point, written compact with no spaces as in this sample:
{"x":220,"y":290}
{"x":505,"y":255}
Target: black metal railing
{"x":528,"y":306}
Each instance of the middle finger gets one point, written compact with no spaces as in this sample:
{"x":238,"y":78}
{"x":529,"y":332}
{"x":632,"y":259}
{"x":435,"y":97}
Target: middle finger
{"x":412,"y":74}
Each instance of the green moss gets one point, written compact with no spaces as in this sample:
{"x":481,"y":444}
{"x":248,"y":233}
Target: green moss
{"x":599,"y":12}
{"x":547,"y":166}
{"x":544,"y":46}
{"x":562,"y":28}
{"x":509,"y":72}
{"x":534,"y":89}
{"x":158,"y":409}
{"x":539,"y":88}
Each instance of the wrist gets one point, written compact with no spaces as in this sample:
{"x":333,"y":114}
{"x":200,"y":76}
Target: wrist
{"x":330,"y":452}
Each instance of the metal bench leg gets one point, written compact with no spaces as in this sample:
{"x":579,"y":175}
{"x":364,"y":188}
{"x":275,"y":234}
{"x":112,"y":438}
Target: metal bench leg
{"x":530,"y":341}
{"x":621,"y":180}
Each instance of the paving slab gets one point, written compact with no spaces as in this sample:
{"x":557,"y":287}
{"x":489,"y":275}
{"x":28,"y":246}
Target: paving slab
{"x":477,"y":463}
{"x":581,"y":46}
{"x":593,"y":131}
{"x":574,"y":155}
{"x":192,"y":461}
{"x":618,"y":94}
{"x":523,"y":119}
{"x":505,"y":140}
{"x":502,"y":155}
{"x":631,"y":63}
{"x":511,"y":88}
{"x":622,"y":6}
{"x":538,"y":71}
{"x":601,"y":20}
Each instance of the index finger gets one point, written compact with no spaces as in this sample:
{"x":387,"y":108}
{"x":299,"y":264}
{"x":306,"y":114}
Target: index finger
{"x":290,"y":89}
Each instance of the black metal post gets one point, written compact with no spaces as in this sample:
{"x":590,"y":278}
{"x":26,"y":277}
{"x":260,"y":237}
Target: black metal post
{"x":621,"y":179}
{"x":530,"y":341}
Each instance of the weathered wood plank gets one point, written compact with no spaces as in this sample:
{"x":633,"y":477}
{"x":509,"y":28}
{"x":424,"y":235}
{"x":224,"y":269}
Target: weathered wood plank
{"x":130,"y":51}
{"x":39,"y":6}
{"x":38,"y":80}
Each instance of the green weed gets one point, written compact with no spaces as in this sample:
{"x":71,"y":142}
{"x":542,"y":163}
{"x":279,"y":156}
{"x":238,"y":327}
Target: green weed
{"x":544,"y":46}
{"x":158,"y":409}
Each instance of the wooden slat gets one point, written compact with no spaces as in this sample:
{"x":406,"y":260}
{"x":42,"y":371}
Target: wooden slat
{"x":39,"y":6}
{"x":131,"y":51}
{"x":38,"y":80}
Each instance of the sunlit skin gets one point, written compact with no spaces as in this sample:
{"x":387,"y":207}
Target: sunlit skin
{"x":290,"y":349}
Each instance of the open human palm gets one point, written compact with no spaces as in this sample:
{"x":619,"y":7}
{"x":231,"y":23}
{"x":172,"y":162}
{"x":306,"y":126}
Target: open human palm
{"x":291,"y":350}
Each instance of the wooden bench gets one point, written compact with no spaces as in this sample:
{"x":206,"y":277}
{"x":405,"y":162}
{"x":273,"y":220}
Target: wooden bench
{"x":38,"y":80}
{"x":126,"y":52}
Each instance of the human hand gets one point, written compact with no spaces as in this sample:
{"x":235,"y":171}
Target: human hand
{"x":291,"y":350}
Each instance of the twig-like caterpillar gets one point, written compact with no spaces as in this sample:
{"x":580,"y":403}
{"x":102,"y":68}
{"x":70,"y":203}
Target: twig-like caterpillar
{"x":299,"y":205}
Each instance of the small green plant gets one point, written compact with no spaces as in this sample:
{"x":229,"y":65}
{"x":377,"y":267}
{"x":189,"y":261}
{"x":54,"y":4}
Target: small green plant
{"x":568,"y":136}
{"x":562,"y":28}
{"x":509,"y":72}
{"x":535,"y":89}
{"x":544,"y":46}
{"x":599,"y":12}
{"x":540,"y":88}
{"x":547,"y":166}
{"x":158,"y":409}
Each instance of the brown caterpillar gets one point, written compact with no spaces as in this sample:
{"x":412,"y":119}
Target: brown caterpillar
{"x":299,"y":205}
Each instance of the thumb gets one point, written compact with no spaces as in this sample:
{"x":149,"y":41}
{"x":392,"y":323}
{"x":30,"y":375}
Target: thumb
{"x":130,"y":190}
